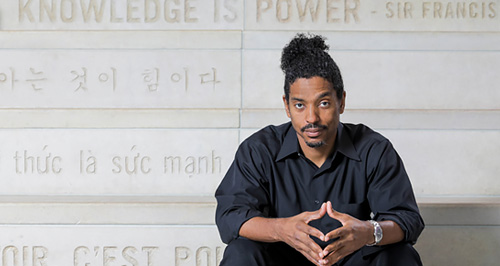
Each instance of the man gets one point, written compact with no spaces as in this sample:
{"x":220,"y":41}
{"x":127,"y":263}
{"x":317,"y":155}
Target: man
{"x":315,"y":191}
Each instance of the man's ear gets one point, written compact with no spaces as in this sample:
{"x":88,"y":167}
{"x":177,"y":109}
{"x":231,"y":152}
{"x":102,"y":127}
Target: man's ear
{"x":287,"y":108}
{"x":342,"y":103}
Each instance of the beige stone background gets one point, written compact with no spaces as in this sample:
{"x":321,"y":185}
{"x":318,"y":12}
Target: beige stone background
{"x":118,"y":118}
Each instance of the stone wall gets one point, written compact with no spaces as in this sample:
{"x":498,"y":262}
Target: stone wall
{"x":120,"y":117}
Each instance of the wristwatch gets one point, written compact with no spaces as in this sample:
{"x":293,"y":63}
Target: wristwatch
{"x":377,"y":232}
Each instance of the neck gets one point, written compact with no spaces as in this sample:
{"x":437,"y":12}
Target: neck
{"x":317,"y":155}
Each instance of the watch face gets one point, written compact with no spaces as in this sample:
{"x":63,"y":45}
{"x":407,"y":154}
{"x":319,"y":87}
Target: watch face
{"x":378,"y":233}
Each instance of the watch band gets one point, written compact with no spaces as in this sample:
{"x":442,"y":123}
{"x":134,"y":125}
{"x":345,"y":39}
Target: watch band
{"x":377,"y":232}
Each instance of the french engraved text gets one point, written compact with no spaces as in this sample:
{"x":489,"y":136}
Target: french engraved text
{"x":112,"y":255}
{"x":27,"y":256}
{"x":203,"y":256}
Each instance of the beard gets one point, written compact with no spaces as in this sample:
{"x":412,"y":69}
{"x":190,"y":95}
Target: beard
{"x":318,"y":143}
{"x":315,"y":144}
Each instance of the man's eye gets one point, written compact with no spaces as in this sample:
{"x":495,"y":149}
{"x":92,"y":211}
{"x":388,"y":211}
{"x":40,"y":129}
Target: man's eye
{"x":324,"y":104}
{"x":299,"y":106}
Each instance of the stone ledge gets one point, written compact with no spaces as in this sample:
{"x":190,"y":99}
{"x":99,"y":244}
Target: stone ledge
{"x":405,"y":119}
{"x":105,"y":199}
{"x":423,"y":200}
{"x":458,"y":200}
{"x":71,"y":118}
{"x":459,"y":245}
{"x":165,"y":210}
{"x":151,"y":39}
{"x":65,"y":245}
{"x":184,"y":245}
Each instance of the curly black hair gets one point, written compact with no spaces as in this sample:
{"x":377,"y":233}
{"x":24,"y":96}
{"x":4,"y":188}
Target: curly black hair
{"x":307,"y":57}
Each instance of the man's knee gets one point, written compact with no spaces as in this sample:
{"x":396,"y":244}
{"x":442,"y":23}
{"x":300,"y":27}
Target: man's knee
{"x":244,"y":252}
{"x":398,"y":254}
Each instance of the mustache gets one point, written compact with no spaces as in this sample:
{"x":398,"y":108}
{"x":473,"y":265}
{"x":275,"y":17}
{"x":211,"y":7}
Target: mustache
{"x":311,"y":126}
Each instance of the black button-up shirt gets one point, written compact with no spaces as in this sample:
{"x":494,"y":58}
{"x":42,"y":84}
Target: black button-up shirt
{"x":270,"y":177}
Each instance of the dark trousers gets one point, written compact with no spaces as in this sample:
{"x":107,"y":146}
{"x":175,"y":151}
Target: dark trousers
{"x":244,"y":252}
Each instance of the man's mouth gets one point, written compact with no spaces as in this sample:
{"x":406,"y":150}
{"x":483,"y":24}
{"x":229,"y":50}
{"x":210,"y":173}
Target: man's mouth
{"x":313,"y":131}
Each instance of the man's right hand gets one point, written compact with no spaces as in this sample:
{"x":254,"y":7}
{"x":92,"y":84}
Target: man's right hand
{"x":295,"y":231}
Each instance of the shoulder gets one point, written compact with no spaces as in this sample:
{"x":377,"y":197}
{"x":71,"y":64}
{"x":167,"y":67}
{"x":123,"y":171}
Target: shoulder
{"x":259,"y":151}
{"x":365,"y":139}
{"x":361,"y":132}
{"x":265,"y":144}
{"x":375,"y":151}
{"x":268,"y":139}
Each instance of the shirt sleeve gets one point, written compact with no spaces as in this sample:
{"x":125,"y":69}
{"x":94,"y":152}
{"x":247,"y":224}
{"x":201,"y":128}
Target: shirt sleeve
{"x":390,"y":193}
{"x":242,"y":194}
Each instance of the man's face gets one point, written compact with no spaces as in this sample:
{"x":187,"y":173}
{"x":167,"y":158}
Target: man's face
{"x":314,"y":110}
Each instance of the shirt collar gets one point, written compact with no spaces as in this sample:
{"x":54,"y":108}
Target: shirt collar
{"x":290,"y":144}
{"x":343,"y":144}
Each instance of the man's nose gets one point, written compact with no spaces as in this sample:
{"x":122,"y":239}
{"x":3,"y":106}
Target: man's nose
{"x":312,"y":116}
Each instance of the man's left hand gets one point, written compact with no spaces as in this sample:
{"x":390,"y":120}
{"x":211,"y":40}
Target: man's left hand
{"x":353,"y":235}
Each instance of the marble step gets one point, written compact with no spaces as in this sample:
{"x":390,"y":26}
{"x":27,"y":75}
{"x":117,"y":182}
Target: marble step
{"x":119,"y":230}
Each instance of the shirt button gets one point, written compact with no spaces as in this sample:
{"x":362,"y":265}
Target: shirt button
{"x":316,"y":201}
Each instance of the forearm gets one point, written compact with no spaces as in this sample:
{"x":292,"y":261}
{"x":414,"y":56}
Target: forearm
{"x":392,"y":233}
{"x":295,"y":231}
{"x":261,"y":229}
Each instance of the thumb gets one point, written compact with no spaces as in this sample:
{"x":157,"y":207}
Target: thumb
{"x":318,"y":213}
{"x":335,"y":214}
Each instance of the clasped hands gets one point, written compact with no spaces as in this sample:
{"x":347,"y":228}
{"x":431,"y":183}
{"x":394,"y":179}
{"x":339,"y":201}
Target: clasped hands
{"x":353,"y":235}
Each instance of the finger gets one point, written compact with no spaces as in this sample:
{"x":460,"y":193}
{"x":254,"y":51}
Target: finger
{"x":331,"y":212}
{"x":341,"y":217}
{"x":311,"y":231}
{"x":311,"y":259}
{"x":315,"y":215}
{"x":332,"y":248}
{"x":323,"y":207}
{"x":333,"y":257}
{"x":337,"y":233}
{"x":328,"y":260}
{"x":311,"y":245}
{"x":312,"y":250}
{"x":306,"y":242}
